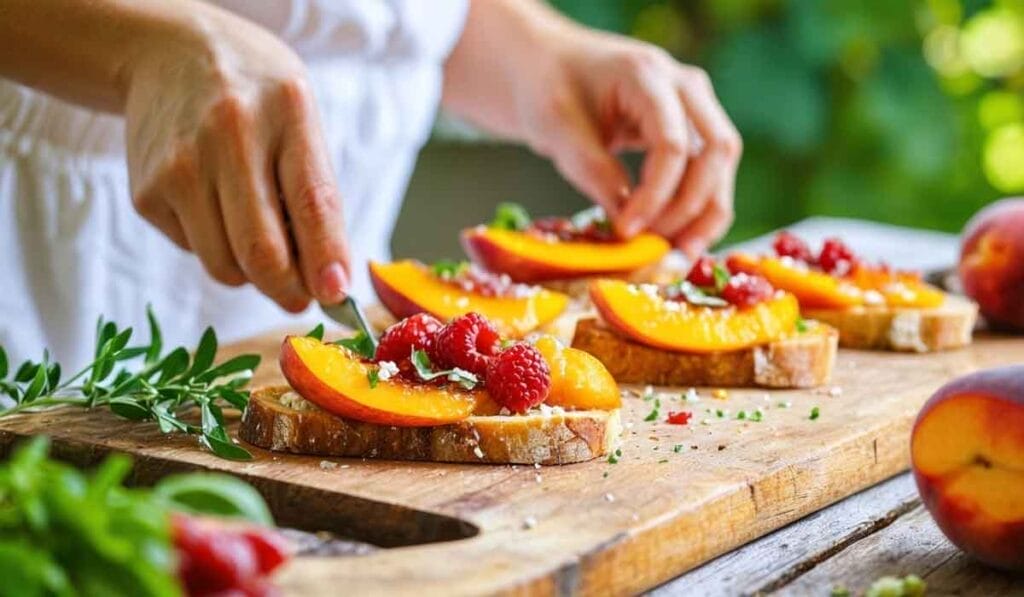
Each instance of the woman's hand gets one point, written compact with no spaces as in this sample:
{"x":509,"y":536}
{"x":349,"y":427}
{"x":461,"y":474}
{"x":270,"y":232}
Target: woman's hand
{"x":579,"y":97}
{"x":226,"y":158}
{"x":224,"y":148}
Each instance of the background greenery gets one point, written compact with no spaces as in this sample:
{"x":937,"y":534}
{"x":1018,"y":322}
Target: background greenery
{"x":910,"y":112}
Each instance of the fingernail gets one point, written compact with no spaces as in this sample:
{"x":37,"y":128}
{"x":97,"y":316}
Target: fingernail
{"x":332,"y":284}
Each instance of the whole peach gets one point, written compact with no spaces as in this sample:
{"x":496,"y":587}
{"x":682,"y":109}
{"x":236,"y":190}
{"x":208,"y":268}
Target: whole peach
{"x":992,"y":262}
{"x":967,"y":449}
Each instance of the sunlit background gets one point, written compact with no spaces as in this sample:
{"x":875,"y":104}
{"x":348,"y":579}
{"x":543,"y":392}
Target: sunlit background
{"x":909,"y":112}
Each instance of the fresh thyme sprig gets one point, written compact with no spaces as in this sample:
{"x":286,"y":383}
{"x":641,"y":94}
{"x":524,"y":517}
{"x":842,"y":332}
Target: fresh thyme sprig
{"x":162,"y":387}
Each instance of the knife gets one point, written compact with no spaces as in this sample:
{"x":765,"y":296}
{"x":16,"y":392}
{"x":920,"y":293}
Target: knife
{"x":349,"y":314}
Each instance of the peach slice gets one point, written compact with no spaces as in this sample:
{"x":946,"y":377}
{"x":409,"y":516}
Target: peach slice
{"x":967,"y":449}
{"x":336,"y":380}
{"x":528,"y":258}
{"x":814,"y":290}
{"x":640,"y":313}
{"x":409,"y":287}
{"x":578,"y":380}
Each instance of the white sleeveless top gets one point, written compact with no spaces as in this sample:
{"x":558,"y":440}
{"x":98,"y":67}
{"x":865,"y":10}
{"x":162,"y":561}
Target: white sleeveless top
{"x":72,"y":247}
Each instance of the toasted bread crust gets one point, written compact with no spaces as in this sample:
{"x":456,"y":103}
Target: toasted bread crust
{"x":906,"y":330}
{"x":557,"y":438}
{"x":802,"y":361}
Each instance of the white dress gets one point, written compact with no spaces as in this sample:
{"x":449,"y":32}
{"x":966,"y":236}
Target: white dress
{"x":72,"y":247}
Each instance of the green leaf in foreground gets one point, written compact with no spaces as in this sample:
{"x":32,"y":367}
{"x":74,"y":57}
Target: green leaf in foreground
{"x":213,"y":493}
{"x":510,"y":216}
{"x":143,"y":383}
{"x":694,"y":295}
{"x":316,"y":333}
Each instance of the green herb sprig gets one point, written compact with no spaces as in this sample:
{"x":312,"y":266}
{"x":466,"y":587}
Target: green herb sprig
{"x":511,"y":216}
{"x":425,"y":369}
{"x":142,"y":383}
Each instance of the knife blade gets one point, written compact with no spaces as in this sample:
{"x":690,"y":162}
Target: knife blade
{"x":349,"y":314}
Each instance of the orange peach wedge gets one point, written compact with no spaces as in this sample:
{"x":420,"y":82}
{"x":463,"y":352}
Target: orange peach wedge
{"x":527,"y":257}
{"x":409,"y":287}
{"x":967,"y":449}
{"x":337,"y":381}
{"x":578,"y":380}
{"x":639,"y":312}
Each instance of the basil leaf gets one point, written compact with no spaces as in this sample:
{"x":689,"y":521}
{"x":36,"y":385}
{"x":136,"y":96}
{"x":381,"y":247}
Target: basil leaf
{"x":25,"y":372}
{"x":447,"y":269}
{"x":801,"y":325}
{"x":373,"y":377}
{"x":722,"y":277}
{"x":216,"y":494}
{"x":239,"y":364}
{"x":696,"y":296}
{"x":424,"y":368}
{"x":316,"y":333}
{"x":128,"y":409}
{"x":361,"y":344}
{"x":3,"y":363}
{"x":173,"y":364}
{"x":510,"y":216}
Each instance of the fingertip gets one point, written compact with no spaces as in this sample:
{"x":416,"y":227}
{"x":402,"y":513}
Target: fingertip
{"x":692,"y":247}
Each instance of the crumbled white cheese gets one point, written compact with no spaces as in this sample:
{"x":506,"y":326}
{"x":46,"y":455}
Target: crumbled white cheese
{"x":651,"y":290}
{"x":691,"y":395}
{"x":386,"y":370}
{"x":873,"y":297}
{"x":609,"y":498}
{"x":538,"y":478}
{"x":835,"y":391}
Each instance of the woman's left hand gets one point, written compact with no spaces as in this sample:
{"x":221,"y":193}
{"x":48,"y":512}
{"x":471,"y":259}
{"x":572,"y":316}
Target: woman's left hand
{"x":579,"y":97}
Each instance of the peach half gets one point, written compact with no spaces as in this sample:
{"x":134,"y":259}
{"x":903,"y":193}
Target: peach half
{"x":337,"y":381}
{"x":527,"y":257}
{"x":639,"y":312}
{"x":409,"y":287}
{"x":967,"y":449}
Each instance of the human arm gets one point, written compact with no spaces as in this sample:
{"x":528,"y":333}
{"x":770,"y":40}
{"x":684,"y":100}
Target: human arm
{"x":579,"y":96}
{"x":223,"y":139}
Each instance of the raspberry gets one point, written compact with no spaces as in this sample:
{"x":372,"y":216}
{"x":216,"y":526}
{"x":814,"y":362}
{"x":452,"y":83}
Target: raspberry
{"x":745,"y":290}
{"x":702,"y":273}
{"x":836,"y":258}
{"x":679,"y":417}
{"x":467,"y":342}
{"x":211,"y":558}
{"x":412,"y":333}
{"x":519,"y":378}
{"x":788,"y":244}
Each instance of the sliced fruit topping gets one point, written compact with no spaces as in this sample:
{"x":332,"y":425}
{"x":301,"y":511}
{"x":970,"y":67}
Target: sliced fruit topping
{"x":578,"y":380}
{"x":514,"y":246}
{"x":467,"y":342}
{"x":518,"y":378}
{"x":642,"y":313}
{"x":339,"y":382}
{"x":450,"y":289}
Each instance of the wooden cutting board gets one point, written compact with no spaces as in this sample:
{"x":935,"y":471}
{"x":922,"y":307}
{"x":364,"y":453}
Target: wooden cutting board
{"x":678,"y":496}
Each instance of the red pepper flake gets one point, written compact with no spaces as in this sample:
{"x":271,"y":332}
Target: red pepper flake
{"x":680,"y":417}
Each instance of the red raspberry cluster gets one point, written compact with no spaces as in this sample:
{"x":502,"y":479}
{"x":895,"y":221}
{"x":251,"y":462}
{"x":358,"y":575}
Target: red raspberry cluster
{"x":835,"y":256}
{"x":517,"y":377}
{"x":218,"y":559}
{"x":742,"y":290}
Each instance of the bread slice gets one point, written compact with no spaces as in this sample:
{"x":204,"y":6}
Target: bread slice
{"x":278,"y":419}
{"x":907,"y":330}
{"x":802,"y":361}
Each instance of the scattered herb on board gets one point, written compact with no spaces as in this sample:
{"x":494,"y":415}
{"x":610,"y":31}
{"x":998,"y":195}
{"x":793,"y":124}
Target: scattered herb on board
{"x":839,"y":591}
{"x":742,"y":415}
{"x":655,"y":412}
{"x":757,"y":415}
{"x":663,"y":461}
{"x":890,"y":586}
{"x":161,"y":386}
{"x":614,"y":457}
{"x":677,"y":448}
{"x":511,"y":216}
{"x":424,"y":368}
{"x":815,"y":413}
{"x":801,"y":325}
{"x":67,"y":532}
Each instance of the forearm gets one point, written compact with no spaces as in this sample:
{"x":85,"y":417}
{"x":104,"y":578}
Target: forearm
{"x":83,"y":51}
{"x":505,"y":45}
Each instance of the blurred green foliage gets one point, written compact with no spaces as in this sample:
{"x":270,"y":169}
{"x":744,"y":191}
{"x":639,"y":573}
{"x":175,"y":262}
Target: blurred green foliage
{"x":910,"y":112}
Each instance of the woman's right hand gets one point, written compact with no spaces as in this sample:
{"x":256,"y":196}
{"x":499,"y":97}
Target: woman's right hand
{"x":226,"y":158}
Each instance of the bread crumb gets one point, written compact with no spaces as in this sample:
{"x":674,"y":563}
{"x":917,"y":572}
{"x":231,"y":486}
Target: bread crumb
{"x":538,"y":478}
{"x":478,"y":452}
{"x":529,"y":522}
{"x":719,"y":394}
{"x":609,"y":498}
{"x":328,"y":465}
{"x":835,"y":391}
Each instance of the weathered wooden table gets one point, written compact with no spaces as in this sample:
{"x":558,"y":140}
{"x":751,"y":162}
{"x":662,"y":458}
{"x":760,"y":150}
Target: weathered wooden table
{"x":881,"y":531}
